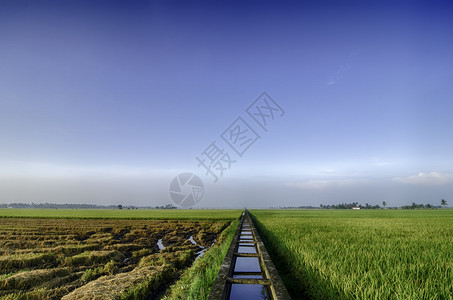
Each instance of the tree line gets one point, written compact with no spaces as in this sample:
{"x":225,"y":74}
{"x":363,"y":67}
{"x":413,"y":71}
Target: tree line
{"x":81,"y":206}
{"x":352,"y":205}
{"x":349,"y":206}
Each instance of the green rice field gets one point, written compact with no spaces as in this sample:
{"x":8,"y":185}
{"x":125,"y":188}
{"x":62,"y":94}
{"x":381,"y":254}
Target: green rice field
{"x":367,"y":254}
{"x":190,"y":214}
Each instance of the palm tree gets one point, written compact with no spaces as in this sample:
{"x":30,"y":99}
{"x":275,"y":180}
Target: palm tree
{"x":443,"y":202}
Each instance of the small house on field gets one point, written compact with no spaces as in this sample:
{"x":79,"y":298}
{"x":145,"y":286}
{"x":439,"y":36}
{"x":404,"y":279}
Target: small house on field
{"x":356,"y":207}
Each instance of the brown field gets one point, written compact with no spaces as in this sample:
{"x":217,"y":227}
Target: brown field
{"x":89,"y":259}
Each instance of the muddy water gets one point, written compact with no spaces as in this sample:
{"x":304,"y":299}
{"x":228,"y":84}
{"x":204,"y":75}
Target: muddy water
{"x":204,"y":249}
{"x":160,"y":245}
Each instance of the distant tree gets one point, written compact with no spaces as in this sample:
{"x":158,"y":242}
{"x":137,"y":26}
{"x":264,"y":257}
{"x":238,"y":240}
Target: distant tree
{"x":443,"y":202}
{"x":384,"y":203}
{"x":120,"y":206}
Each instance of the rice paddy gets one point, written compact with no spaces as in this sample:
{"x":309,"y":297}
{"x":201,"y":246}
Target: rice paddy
{"x":147,"y":254}
{"x":101,"y":256}
{"x":147,"y":214}
{"x":382,"y":254}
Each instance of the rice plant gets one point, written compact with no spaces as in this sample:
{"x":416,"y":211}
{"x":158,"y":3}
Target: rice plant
{"x":361,"y":255}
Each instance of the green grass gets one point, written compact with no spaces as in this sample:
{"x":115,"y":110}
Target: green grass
{"x":154,"y":214}
{"x":379,"y":254}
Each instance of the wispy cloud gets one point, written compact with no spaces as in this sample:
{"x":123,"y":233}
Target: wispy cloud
{"x":326,"y":184}
{"x":427,"y":179}
{"x":338,"y":75}
{"x":377,"y":162}
{"x":342,"y":69}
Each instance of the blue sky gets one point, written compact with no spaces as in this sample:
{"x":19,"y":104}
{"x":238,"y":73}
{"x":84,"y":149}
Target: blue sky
{"x":107,"y":101}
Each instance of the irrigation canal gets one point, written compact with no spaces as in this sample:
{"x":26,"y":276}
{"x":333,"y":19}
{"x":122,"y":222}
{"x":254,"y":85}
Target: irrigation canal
{"x":247,"y":271}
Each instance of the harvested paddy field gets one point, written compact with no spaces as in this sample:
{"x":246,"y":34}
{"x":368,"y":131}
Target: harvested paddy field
{"x":100,"y":258}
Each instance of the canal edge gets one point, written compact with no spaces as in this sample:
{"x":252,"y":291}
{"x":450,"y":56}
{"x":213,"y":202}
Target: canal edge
{"x":270,"y":277}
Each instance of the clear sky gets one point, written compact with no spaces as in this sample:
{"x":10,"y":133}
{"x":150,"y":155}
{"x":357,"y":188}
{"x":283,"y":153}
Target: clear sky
{"x":107,"y":101}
